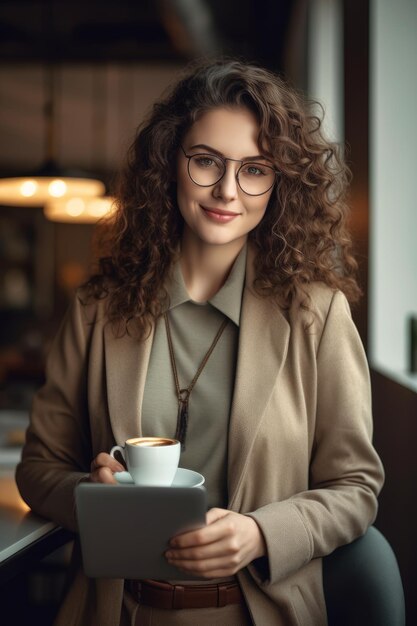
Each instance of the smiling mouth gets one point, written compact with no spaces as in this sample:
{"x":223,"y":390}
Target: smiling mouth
{"x":219,"y":212}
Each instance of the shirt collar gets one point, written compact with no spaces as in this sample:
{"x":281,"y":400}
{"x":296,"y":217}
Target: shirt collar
{"x":227,"y":300}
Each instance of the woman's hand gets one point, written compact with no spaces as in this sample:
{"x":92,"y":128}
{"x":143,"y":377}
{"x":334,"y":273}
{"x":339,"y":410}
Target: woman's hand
{"x":227,"y":544}
{"x":103,"y":468}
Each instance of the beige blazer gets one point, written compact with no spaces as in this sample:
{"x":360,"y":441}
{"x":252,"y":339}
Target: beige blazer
{"x":300,"y":458}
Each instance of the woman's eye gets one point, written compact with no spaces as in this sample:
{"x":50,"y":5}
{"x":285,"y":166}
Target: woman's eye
{"x":205,"y":161}
{"x":254,"y":170}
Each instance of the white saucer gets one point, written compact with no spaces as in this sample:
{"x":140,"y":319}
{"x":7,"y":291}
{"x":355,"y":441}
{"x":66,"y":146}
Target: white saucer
{"x":183,"y":478}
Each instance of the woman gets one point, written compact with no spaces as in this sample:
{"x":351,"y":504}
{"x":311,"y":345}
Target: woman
{"x":230,"y":235}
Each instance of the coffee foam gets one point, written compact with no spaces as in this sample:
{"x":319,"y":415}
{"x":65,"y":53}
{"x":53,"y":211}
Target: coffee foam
{"x":151,"y":442}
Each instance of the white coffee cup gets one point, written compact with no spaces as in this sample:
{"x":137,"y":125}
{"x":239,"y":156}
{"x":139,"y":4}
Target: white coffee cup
{"x":151,"y":461}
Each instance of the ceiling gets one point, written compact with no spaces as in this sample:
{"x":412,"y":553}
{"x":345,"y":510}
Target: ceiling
{"x":112,"y":59}
{"x":144,"y":30}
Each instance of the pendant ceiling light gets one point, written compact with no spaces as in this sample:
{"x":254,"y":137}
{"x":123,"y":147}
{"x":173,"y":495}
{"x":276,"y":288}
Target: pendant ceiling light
{"x":79,"y":209}
{"x":82,"y":208}
{"x":50,"y":180}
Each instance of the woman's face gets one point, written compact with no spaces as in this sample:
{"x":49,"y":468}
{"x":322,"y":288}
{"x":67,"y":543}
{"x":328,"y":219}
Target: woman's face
{"x":221,"y":214}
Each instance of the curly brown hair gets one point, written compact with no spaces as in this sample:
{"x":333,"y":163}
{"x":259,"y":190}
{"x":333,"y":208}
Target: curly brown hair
{"x":303,"y":235}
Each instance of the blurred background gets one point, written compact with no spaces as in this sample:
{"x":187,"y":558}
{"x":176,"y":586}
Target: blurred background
{"x":76,"y":79}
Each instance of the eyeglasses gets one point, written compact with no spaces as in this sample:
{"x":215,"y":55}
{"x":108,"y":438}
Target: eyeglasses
{"x":254,"y":179}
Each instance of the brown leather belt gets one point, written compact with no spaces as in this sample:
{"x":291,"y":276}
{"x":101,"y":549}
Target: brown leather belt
{"x":162,"y":595}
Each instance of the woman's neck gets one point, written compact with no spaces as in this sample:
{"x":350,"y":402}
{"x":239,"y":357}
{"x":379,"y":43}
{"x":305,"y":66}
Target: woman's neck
{"x":205,"y":267}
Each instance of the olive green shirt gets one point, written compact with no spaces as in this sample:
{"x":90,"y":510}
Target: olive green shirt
{"x":193,"y":328}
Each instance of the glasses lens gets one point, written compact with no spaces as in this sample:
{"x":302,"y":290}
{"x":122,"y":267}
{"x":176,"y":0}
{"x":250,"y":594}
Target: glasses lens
{"x":206,"y":169}
{"x":256,"y":178}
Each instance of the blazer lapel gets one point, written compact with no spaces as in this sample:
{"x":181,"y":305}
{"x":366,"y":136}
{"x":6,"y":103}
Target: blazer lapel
{"x":263,"y":344}
{"x":127,"y":361}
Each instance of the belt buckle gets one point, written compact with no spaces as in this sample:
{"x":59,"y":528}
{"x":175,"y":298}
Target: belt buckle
{"x":221,"y":595}
{"x":178,"y":593}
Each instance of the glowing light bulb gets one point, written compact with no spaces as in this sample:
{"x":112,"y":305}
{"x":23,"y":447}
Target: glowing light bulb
{"x":75,"y":207}
{"x":97,"y":207}
{"x":57,"y":188}
{"x":28,"y":188}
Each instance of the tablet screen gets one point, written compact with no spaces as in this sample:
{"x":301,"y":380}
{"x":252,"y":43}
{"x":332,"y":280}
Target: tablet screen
{"x":125,"y":529}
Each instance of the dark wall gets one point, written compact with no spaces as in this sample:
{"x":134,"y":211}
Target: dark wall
{"x":395,"y":407}
{"x":395,"y":419}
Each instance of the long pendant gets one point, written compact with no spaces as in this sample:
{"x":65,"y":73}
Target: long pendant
{"x":183,"y":395}
{"x":182,"y":417}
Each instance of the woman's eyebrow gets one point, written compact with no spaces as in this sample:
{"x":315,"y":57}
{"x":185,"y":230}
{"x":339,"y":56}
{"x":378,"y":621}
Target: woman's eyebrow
{"x":212,"y":150}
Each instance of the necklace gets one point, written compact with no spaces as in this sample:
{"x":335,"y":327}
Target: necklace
{"x":183,"y":395}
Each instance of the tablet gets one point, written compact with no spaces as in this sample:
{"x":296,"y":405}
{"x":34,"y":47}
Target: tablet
{"x":125,"y":529}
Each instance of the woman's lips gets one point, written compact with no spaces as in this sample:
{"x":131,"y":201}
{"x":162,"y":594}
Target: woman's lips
{"x":218,"y":215}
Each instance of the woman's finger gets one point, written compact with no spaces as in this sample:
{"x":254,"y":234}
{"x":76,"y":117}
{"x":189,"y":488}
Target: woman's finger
{"x":103,"y":467}
{"x":103,"y":475}
{"x":211,"y":568}
{"x":106,"y":460}
{"x":215,"y":531}
{"x":209,"y":551}
{"x":215,"y":514}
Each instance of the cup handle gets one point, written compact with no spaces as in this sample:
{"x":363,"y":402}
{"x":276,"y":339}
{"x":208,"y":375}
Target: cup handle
{"x":120,"y":449}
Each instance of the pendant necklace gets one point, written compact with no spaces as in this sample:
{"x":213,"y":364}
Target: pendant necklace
{"x":183,"y":395}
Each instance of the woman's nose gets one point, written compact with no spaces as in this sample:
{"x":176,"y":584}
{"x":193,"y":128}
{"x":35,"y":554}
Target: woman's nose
{"x":227,"y":187}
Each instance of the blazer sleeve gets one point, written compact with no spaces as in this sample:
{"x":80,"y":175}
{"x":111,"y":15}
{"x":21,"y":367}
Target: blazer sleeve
{"x":346,"y":473}
{"x":57,"y":452}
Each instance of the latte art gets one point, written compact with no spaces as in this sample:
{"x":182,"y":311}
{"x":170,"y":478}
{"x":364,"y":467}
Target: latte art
{"x":151,"y":442}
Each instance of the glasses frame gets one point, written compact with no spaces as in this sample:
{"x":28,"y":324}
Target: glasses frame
{"x":224,"y":161}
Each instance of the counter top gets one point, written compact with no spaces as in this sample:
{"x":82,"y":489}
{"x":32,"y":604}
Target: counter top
{"x":18,"y":526}
{"x":24,"y":536}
